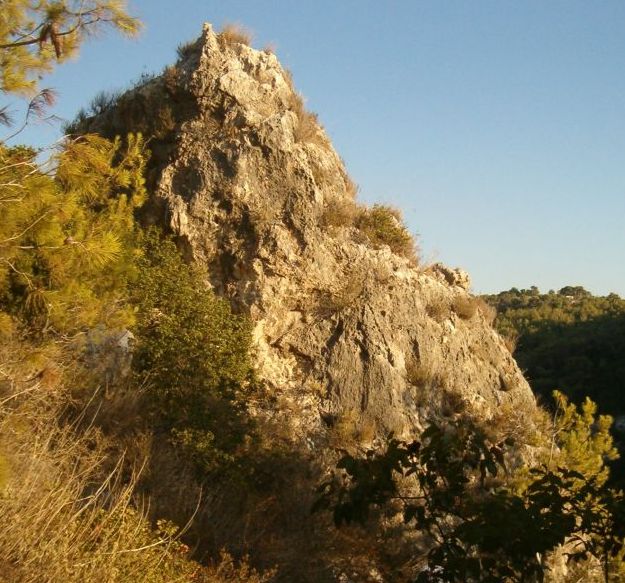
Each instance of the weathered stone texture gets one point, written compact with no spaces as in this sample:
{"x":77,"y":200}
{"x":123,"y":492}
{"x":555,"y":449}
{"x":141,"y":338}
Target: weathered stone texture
{"x":339,"y":324}
{"x":342,"y":328}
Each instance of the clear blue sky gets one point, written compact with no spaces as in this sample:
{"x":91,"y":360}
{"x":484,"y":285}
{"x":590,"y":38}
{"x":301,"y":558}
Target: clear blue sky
{"x":498,"y":127}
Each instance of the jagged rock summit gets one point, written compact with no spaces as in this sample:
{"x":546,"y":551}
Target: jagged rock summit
{"x":348,"y":332}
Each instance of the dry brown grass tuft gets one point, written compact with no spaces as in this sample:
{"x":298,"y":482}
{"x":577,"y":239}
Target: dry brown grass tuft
{"x":526,"y":423}
{"x":340,"y":213}
{"x":345,"y":295}
{"x":417,"y":374}
{"x":383,"y":225}
{"x":465,"y":307}
{"x":438,"y":309}
{"x":433,"y":390}
{"x":307,"y":129}
{"x":270,"y":48}
{"x":67,"y":515}
{"x":351,"y":430}
{"x":488,"y":312}
{"x":510,"y":341}
{"x":351,"y":188}
{"x":235,"y":34}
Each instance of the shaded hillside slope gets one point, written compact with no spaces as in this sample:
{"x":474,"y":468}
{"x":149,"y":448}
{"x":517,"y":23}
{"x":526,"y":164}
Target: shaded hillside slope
{"x":568,"y":340}
{"x":571,"y":341}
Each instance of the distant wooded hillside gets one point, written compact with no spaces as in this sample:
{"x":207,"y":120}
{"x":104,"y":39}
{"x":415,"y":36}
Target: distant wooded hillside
{"x":568,"y":340}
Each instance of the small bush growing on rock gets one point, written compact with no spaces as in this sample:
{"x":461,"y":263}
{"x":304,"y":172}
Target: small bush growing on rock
{"x":339,"y":213}
{"x":489,"y":312}
{"x":185,"y":49}
{"x":350,"y":429}
{"x":345,"y":295}
{"x":235,"y":34}
{"x":510,"y":341}
{"x":193,"y":354}
{"x":103,"y":101}
{"x":417,"y":373}
{"x":438,"y":310}
{"x":383,"y":225}
{"x":351,"y":188}
{"x":307,"y":129}
{"x":465,"y":307}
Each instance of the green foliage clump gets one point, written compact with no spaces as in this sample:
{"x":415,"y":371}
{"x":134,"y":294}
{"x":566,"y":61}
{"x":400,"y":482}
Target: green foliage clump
{"x":583,"y":439}
{"x":571,"y":341}
{"x":36,"y":35}
{"x":65,"y":240}
{"x":193,"y":353}
{"x":383,"y":225}
{"x":454,"y":486}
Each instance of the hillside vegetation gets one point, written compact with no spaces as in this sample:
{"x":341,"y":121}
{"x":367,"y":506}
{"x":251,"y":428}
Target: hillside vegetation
{"x":569,"y":340}
{"x":132,"y":444}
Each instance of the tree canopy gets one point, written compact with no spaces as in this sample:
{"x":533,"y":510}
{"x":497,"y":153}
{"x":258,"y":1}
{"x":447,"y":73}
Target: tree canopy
{"x":37,"y":34}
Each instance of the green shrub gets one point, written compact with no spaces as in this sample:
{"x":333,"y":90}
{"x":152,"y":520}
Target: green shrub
{"x":383,"y":225}
{"x":193,"y":353}
{"x":102,"y":102}
{"x":455,"y":483}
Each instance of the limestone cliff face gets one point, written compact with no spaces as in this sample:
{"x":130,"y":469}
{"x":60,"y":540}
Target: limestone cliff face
{"x":343,"y":330}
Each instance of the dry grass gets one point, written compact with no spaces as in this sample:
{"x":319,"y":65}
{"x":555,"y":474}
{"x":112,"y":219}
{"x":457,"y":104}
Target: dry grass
{"x":345,"y":295}
{"x":350,"y":430}
{"x":465,"y":306}
{"x":438,"y":309}
{"x":270,"y":49}
{"x":69,"y":503}
{"x":307,"y":129}
{"x":383,"y":225}
{"x":67,"y":516}
{"x":525,"y":423}
{"x":488,"y":312}
{"x":417,"y":373}
{"x":510,"y":341}
{"x":234,"y":34}
{"x":339,"y":212}
{"x":351,"y":188}
{"x":433,"y":390}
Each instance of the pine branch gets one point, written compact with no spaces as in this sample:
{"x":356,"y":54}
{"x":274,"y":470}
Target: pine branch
{"x":2,"y":243}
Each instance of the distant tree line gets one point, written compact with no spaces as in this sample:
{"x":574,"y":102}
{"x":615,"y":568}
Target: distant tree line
{"x":569,"y":340}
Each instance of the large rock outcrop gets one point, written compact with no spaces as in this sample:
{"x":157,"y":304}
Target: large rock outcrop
{"x":353,"y":340}
{"x":345,"y":330}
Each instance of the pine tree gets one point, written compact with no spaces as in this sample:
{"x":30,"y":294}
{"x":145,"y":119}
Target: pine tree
{"x":66,"y":225}
{"x":582,"y":438}
{"x":66,"y":238}
{"x":37,"y":34}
